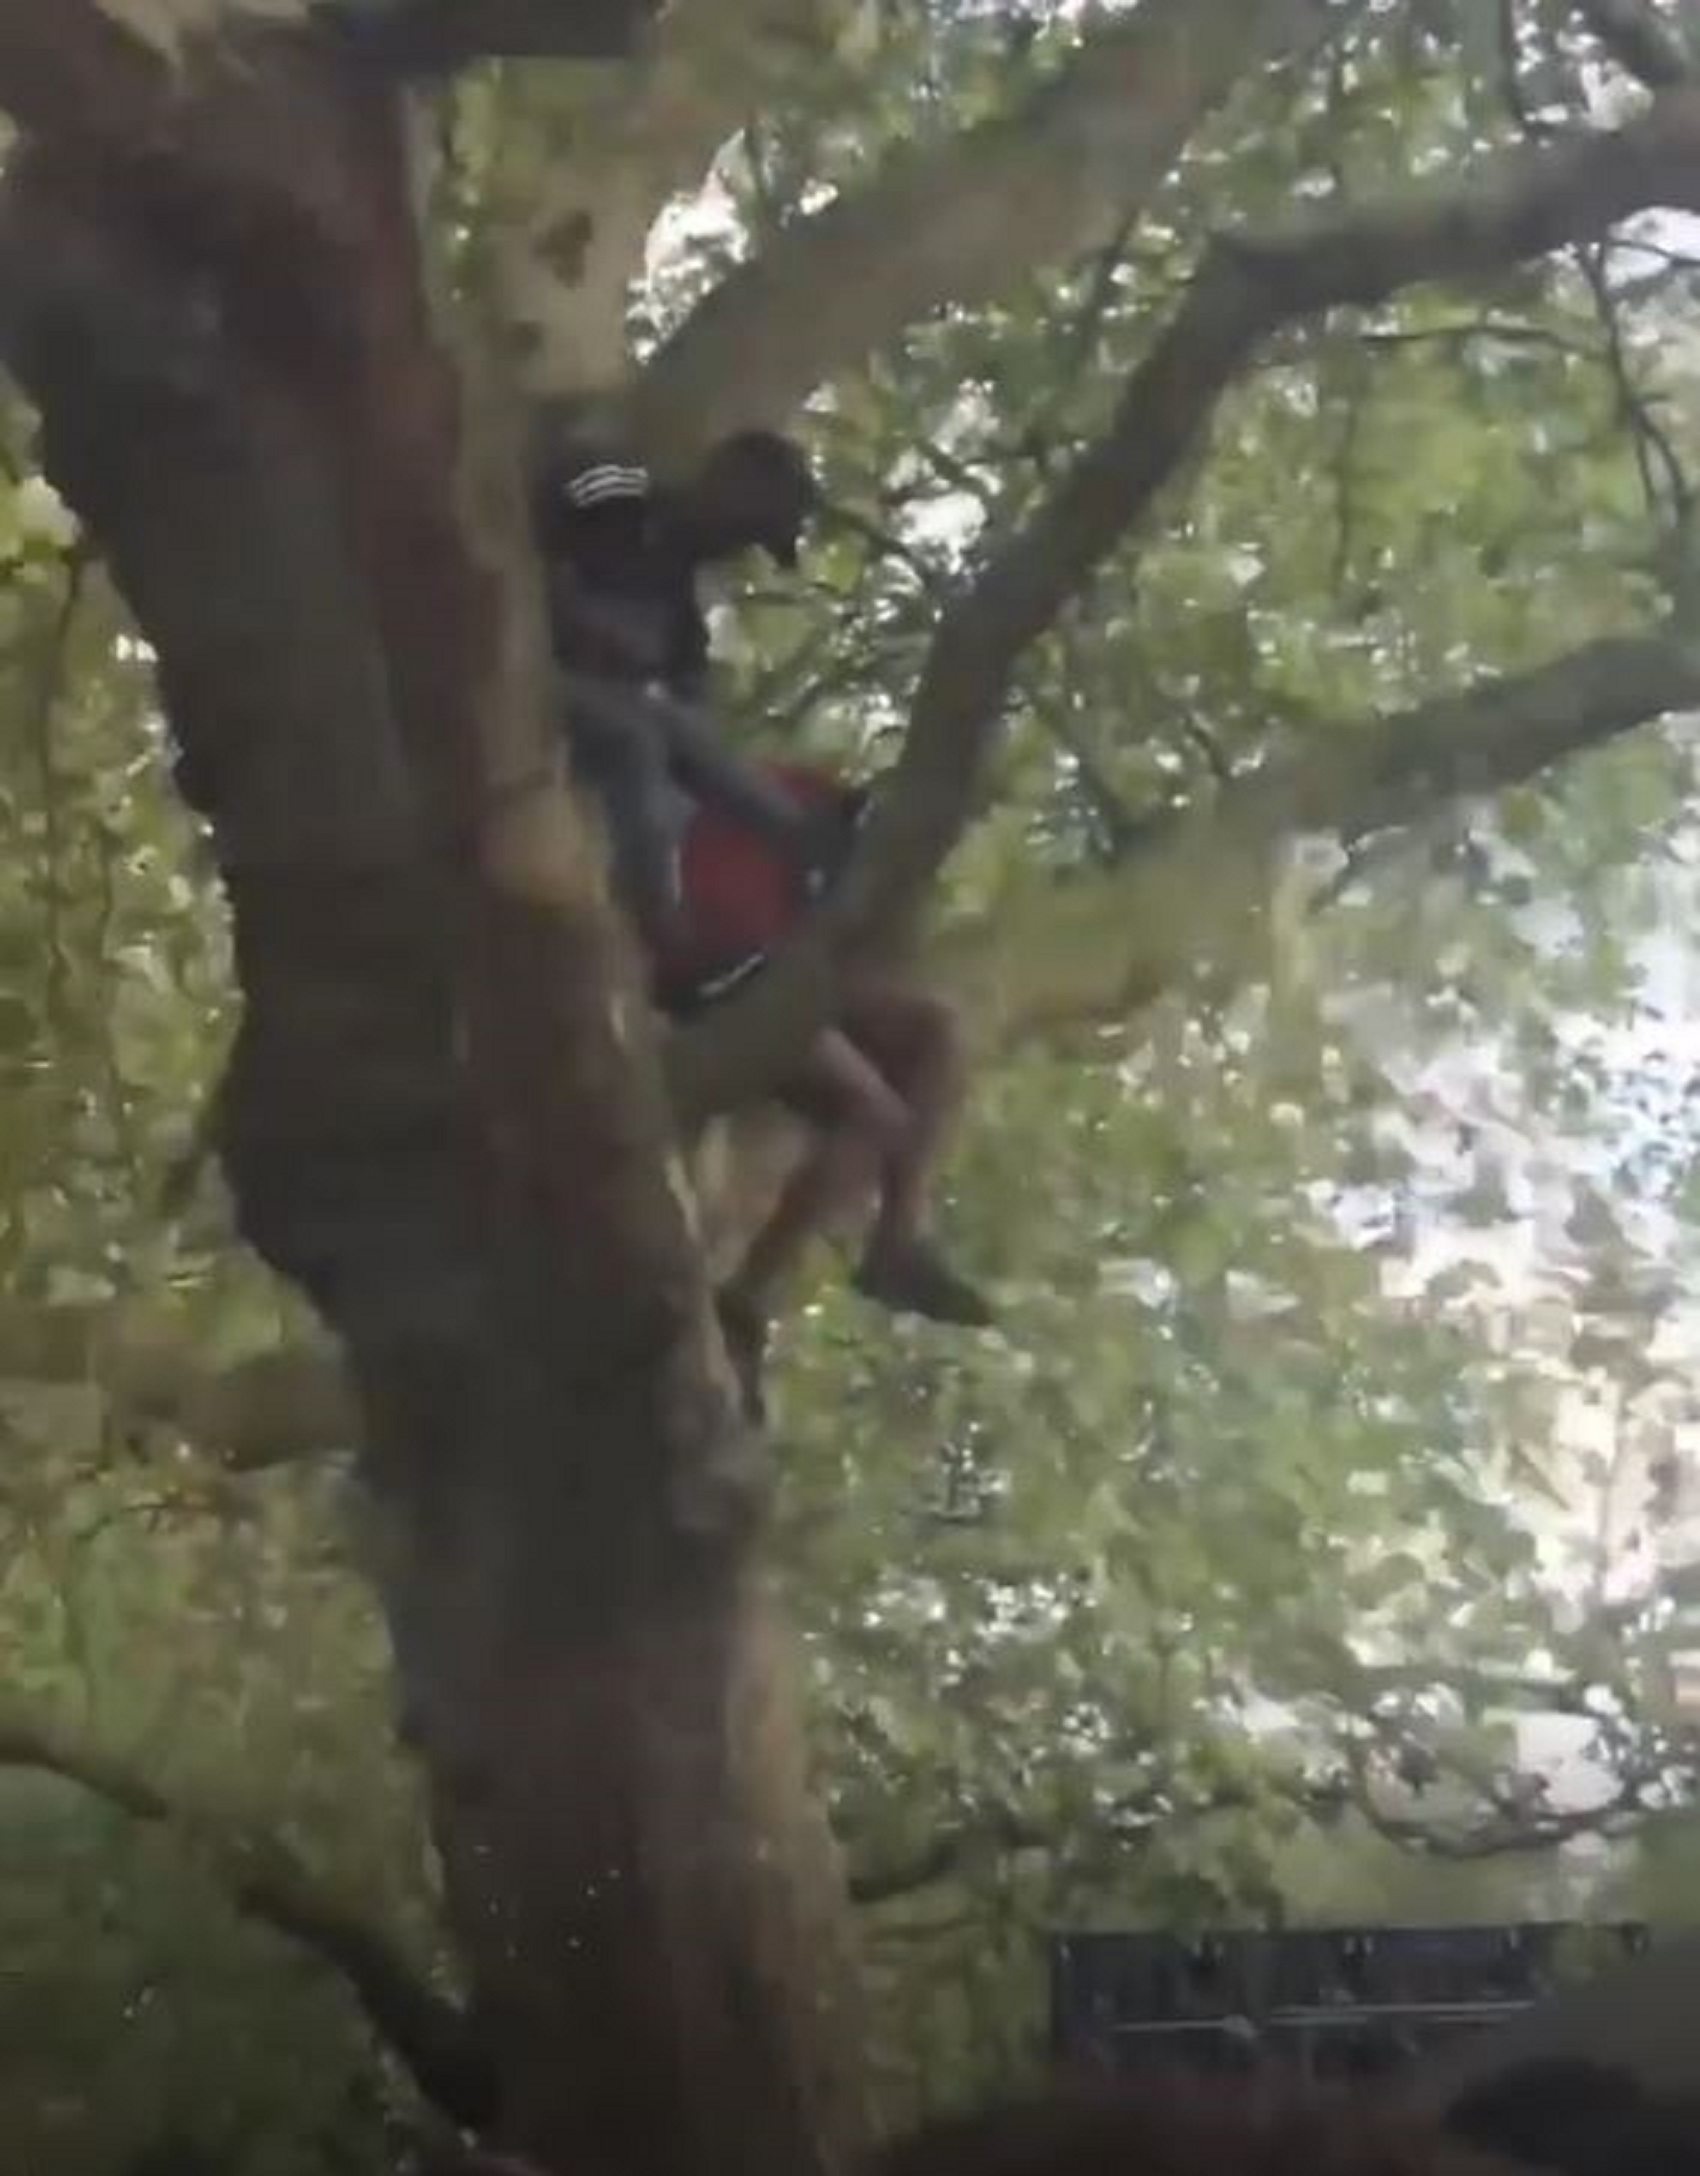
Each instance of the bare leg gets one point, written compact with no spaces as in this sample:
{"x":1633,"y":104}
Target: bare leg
{"x":860,"y":1121}
{"x":863,"y":1126}
{"x":913,"y":1038}
{"x":621,"y":753}
{"x":885,"y":1088}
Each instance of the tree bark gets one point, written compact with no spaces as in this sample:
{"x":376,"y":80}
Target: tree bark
{"x":581,"y":172}
{"x":444,"y":1116}
{"x":963,"y":219}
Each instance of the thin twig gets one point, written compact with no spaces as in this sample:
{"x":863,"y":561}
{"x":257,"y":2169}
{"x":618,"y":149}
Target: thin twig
{"x":1248,"y":289}
{"x":1345,"y":481}
{"x":265,"y":1881}
{"x":44,"y":708}
{"x":1108,"y":813}
{"x":1649,"y":437}
{"x":1491,"y":329}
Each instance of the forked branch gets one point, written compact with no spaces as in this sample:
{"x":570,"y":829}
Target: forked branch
{"x":264,"y":1880}
{"x":1248,"y":287}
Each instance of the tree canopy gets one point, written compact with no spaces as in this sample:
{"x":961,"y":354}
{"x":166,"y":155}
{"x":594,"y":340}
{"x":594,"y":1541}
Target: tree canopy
{"x":1262,"y":442}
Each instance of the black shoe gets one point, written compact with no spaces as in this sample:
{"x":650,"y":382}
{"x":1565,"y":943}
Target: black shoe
{"x":917,"y":1280}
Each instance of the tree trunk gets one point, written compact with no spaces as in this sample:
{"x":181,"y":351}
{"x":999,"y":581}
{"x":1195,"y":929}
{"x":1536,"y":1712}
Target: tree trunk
{"x":444,"y":1118}
{"x":630,"y":1851}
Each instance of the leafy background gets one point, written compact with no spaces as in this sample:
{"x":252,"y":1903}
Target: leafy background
{"x":1311,"y":1541}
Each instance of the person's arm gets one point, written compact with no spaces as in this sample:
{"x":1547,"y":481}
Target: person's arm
{"x":717,"y":776}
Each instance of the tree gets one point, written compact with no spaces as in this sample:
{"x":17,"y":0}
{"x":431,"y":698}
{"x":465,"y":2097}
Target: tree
{"x":275,"y":391}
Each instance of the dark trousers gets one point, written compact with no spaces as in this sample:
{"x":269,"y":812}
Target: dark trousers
{"x":650,"y":756}
{"x":621,"y":751}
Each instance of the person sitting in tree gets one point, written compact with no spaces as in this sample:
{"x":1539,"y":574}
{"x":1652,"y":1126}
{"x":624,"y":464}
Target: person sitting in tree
{"x":719,"y":859}
{"x":631,"y":645}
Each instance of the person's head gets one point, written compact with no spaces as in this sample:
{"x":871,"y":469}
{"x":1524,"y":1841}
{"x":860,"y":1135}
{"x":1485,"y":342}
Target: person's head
{"x":754,"y":491}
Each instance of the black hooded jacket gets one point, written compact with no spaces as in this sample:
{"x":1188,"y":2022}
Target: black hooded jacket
{"x":622,"y":590}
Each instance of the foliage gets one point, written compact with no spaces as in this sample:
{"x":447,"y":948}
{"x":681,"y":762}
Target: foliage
{"x":1335,"y":1439}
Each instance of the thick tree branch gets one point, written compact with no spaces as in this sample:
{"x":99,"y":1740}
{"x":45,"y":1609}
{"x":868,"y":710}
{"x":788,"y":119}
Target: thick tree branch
{"x":265,"y":1881}
{"x":150,"y":1371}
{"x":1641,"y":42}
{"x":1194,"y":895}
{"x":995,"y":1832}
{"x":260,"y":1412}
{"x":963,"y":220}
{"x":1068,"y":955}
{"x":998,"y":1832}
{"x":73,"y":66}
{"x":1512,"y":207}
{"x":1248,"y":287}
{"x":77,"y":73}
{"x":80,"y":69}
{"x":267,"y":1410}
{"x":577,"y":182}
{"x":1500,"y":1834}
